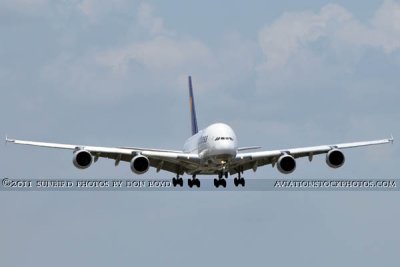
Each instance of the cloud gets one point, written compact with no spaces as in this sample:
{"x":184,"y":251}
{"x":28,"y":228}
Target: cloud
{"x":295,"y":32}
{"x":285,"y":36}
{"x":386,"y":26}
{"x":172,"y":57}
{"x":147,"y":20}
{"x":310,"y":49}
{"x":160,"y":53}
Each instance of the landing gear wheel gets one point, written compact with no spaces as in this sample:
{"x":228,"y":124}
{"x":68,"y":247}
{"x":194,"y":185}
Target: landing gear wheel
{"x":220,"y":182}
{"x":239,"y":181}
{"x":223,"y":182}
{"x":177,"y":181}
{"x":193,"y":181}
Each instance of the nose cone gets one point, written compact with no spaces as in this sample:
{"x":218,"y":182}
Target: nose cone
{"x":226,"y":147}
{"x":225,"y":143}
{"x":224,"y":155}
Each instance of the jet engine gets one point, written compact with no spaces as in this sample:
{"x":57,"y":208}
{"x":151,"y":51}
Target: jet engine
{"x":82,"y":159}
{"x":335,"y":158}
{"x":286,"y":164}
{"x":140,"y":164}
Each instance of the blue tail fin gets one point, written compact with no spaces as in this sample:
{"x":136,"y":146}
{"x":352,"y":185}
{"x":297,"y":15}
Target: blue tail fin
{"x":195,"y":129}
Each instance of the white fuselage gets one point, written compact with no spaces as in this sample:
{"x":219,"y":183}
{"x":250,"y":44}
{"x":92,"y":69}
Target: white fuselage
{"x":216,"y":145}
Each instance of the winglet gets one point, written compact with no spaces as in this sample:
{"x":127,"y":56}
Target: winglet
{"x":9,"y":140}
{"x":391,"y":140}
{"x":192,"y":108}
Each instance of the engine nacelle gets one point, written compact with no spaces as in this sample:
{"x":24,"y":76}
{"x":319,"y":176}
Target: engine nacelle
{"x":140,"y":164}
{"x":335,"y":158}
{"x":286,"y":164}
{"x":82,"y":159}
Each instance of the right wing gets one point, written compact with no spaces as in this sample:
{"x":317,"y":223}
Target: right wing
{"x":170,"y":160}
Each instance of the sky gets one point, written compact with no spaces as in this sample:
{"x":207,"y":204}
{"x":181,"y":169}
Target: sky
{"x":281,"y":73}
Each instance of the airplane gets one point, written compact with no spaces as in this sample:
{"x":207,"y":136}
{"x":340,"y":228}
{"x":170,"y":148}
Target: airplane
{"x":211,"y":151}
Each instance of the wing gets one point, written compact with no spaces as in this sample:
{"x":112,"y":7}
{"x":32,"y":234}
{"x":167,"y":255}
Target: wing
{"x":168,"y":160}
{"x":246,"y":161}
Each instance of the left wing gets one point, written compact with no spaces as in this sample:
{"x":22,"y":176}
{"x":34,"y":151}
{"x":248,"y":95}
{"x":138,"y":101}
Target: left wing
{"x":170,"y":160}
{"x":246,"y":161}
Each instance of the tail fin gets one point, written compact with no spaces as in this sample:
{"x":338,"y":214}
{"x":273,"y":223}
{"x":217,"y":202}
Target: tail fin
{"x":195,"y":129}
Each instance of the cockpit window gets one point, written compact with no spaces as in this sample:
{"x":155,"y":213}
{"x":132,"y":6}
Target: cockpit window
{"x":223,"y":138}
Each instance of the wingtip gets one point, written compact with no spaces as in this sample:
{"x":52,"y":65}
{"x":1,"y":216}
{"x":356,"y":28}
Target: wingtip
{"x":391,"y":139}
{"x":7,"y":140}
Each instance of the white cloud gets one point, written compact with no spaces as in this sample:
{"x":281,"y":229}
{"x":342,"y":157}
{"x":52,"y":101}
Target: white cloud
{"x":386,"y":24}
{"x":284,"y":37}
{"x":160,"y":53}
{"x":287,"y":46}
{"x":293,"y":32}
{"x":173,"y":57}
{"x":147,"y":19}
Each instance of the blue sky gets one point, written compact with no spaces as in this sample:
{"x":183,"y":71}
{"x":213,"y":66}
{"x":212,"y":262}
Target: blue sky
{"x":284,"y":74}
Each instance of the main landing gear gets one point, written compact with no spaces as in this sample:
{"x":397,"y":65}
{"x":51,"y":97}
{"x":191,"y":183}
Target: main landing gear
{"x":177,"y":181}
{"x":221,"y":181}
{"x":193,"y":181}
{"x":239,"y":181}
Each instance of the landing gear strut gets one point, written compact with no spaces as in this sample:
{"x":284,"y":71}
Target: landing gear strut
{"x":193,"y":181}
{"x":239,"y":181}
{"x":177,"y":181}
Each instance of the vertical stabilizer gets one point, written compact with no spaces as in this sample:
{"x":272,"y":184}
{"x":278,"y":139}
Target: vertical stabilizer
{"x":193,"y":118}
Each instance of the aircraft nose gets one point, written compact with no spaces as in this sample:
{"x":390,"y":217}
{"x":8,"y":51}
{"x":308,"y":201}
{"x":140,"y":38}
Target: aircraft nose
{"x":226,"y":147}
